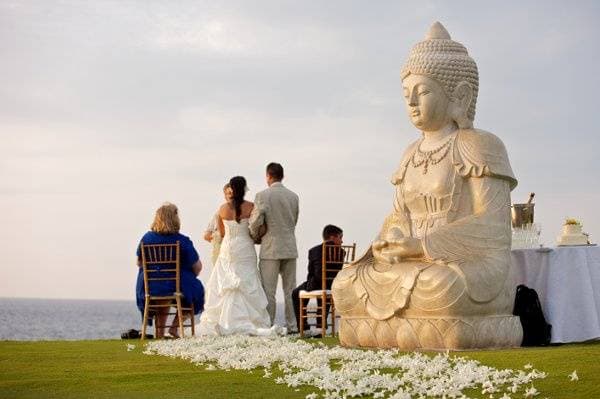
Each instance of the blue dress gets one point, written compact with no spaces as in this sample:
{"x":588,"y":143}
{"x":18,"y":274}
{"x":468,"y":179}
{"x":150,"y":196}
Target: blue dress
{"x":191,"y":287}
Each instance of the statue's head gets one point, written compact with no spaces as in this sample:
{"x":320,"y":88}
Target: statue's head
{"x":440,"y":82}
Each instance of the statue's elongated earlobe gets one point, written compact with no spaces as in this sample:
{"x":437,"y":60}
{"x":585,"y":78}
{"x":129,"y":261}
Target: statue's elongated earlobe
{"x":461,"y":101}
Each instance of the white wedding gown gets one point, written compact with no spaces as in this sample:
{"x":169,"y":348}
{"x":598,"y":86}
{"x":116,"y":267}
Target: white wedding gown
{"x":235,"y":299}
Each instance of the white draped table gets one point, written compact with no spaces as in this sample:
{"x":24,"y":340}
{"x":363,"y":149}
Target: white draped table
{"x":567,"y":280}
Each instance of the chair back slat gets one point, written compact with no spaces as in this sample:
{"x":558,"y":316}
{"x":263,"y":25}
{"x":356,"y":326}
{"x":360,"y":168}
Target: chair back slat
{"x":162,"y":270}
{"x":333,"y":260}
{"x":160,"y":262}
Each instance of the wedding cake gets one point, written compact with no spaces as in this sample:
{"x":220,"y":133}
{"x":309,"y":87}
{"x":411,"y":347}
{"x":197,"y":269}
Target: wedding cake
{"x":572,"y":234}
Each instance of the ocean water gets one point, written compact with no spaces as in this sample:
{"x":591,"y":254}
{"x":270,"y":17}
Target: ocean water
{"x":58,"y":319}
{"x":71,"y":319}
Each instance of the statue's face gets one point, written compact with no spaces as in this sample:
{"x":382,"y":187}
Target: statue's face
{"x":426,"y":102}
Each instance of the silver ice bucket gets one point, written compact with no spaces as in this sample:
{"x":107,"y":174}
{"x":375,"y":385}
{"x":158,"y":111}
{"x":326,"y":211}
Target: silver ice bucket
{"x":522,"y":214}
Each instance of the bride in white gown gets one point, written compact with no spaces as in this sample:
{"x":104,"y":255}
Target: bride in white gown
{"x":235,"y":299}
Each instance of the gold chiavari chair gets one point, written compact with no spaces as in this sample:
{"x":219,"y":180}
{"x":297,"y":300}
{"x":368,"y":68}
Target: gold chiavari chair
{"x":333,"y":259}
{"x":161,"y":262}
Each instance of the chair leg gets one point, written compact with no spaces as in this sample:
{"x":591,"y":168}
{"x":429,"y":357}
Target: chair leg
{"x":301,"y":318}
{"x":332,"y":318}
{"x":323,"y":315}
{"x":156,"y":323}
{"x":145,"y":319}
{"x":179,"y":316}
{"x":193,"y":320}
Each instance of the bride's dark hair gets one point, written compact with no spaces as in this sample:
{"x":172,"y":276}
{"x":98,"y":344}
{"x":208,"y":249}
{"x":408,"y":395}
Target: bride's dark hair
{"x":238,"y":186}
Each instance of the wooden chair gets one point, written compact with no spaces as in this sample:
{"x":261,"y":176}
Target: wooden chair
{"x":161,"y":262}
{"x":333,"y":259}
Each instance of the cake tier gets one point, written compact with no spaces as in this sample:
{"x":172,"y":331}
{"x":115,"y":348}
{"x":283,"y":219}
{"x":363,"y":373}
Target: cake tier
{"x":572,"y":239}
{"x":571,"y":229}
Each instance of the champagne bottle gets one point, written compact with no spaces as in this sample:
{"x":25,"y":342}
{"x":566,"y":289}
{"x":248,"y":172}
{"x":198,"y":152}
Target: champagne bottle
{"x":531,"y":195}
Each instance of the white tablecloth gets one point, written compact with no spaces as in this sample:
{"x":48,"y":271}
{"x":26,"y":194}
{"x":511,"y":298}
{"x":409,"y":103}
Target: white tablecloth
{"x":567,"y":280}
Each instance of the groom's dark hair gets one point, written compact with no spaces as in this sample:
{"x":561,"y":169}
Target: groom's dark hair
{"x":331,"y":230}
{"x":275,"y":170}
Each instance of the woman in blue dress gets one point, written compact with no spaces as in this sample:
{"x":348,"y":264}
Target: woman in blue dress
{"x":165,"y":230}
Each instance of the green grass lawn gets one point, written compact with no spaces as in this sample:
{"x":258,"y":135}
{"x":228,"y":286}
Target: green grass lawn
{"x":105,"y":369}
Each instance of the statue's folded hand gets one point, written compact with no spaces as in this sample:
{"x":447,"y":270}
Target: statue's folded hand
{"x":379,"y":244}
{"x":394,"y":251}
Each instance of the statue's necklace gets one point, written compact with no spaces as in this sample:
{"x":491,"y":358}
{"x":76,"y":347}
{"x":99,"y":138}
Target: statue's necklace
{"x":432,"y":157}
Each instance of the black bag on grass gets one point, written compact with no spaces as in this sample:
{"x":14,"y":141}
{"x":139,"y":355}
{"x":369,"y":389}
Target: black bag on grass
{"x":134,"y":334}
{"x":536,"y":331}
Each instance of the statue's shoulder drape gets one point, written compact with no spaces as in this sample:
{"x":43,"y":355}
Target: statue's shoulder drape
{"x":478,"y":153}
{"x":398,"y":176}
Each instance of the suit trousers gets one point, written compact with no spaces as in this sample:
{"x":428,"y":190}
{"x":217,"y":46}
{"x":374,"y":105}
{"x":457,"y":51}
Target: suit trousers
{"x":270,"y":269}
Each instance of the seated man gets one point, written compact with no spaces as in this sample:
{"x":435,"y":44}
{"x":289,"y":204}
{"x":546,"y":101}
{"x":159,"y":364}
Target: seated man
{"x":332,"y":235}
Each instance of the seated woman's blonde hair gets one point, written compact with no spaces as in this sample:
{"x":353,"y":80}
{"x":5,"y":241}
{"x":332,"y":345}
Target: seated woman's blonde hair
{"x":166,"y":220}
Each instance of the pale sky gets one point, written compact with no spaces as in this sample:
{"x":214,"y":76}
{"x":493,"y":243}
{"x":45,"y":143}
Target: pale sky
{"x":109,"y":108}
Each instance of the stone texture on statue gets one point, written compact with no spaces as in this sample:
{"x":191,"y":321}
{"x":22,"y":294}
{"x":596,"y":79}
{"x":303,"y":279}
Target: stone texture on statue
{"x":438,"y":275}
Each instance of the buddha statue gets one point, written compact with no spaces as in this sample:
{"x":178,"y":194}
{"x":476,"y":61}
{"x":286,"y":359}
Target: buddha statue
{"x":438,"y":274}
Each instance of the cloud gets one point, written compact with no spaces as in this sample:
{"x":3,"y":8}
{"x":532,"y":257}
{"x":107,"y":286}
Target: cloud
{"x":225,"y":33}
{"x":220,"y":36}
{"x":211,"y":121}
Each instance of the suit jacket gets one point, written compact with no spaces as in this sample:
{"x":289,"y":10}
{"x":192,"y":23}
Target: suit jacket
{"x":315,"y":267}
{"x":277,"y":208}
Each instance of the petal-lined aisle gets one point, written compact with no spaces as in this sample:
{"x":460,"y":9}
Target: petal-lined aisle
{"x":338,"y":372}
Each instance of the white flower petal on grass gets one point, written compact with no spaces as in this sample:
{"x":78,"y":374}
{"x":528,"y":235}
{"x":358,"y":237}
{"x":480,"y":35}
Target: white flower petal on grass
{"x":573,"y":376}
{"x":343,"y":373}
{"x":527,"y":366}
{"x":130,"y":347}
{"x":531,"y":392}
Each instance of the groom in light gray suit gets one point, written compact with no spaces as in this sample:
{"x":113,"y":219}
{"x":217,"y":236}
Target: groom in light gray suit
{"x":273,"y":221}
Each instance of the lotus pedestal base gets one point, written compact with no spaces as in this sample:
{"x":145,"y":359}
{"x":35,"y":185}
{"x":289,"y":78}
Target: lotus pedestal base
{"x":414,"y":333}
